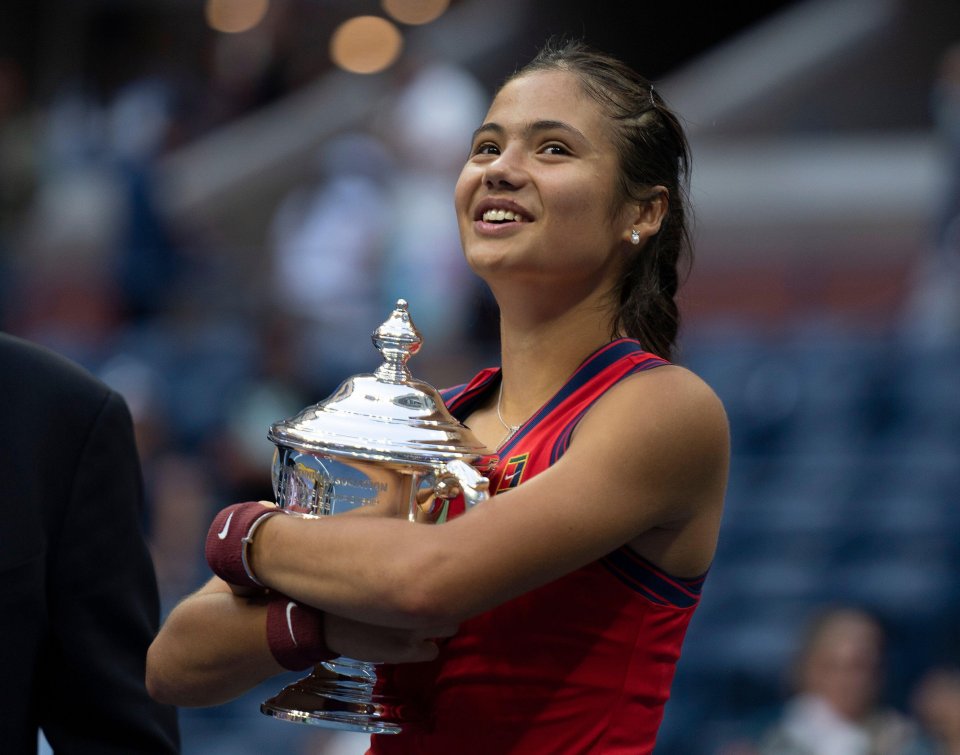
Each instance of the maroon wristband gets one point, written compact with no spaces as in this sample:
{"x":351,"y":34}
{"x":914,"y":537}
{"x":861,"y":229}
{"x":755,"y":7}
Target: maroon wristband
{"x":295,"y":634}
{"x":228,"y":539}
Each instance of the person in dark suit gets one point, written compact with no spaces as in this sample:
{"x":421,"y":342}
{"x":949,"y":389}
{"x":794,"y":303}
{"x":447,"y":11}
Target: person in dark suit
{"x":78,"y":595}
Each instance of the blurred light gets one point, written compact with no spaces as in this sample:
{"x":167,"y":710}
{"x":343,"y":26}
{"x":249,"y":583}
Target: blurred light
{"x":365,"y":44}
{"x":234,"y":16}
{"x":415,"y":11}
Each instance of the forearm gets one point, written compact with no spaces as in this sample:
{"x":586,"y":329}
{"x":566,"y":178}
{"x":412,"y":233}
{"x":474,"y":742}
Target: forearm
{"x":215,"y":645}
{"x":212,"y":648}
{"x":369,"y":570}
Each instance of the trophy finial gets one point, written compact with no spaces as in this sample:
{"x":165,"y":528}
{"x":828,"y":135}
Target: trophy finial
{"x":397,"y":339}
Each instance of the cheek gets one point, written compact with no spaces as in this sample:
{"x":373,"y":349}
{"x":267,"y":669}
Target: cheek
{"x":579,"y":220}
{"x":463,"y":191}
{"x":581,"y":200}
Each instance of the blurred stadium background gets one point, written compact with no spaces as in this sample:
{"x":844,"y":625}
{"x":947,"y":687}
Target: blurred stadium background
{"x":212,"y":204}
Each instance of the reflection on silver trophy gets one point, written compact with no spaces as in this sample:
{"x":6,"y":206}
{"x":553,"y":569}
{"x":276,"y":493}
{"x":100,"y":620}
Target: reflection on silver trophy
{"x":382,"y":439}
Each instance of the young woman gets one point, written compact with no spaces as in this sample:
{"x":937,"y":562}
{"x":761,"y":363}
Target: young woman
{"x":548,"y":619}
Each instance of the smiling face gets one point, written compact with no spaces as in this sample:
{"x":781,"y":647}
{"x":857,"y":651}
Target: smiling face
{"x":537,"y":197}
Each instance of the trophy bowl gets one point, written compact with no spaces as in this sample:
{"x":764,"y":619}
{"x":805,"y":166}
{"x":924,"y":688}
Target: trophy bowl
{"x":386,"y":440}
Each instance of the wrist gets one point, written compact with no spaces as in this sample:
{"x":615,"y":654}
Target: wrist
{"x":295,"y":634}
{"x":229,"y":540}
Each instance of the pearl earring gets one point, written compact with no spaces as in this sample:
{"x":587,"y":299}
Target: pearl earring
{"x":634,"y":237}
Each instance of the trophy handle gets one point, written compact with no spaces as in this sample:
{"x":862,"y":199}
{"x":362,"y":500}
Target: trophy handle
{"x":475,"y":486}
{"x":433,"y":491}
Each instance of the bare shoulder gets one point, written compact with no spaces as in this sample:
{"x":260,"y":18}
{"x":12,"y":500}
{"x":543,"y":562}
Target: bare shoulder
{"x":663,"y":429}
{"x":664,"y":400}
{"x":653,"y":451}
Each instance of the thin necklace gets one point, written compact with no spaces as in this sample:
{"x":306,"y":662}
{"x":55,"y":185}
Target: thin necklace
{"x":511,"y":429}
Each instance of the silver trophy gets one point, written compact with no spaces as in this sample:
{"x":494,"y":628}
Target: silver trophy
{"x":382,"y":439}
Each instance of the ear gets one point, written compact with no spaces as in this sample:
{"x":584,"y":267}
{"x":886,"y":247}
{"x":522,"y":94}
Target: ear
{"x":647,"y":215}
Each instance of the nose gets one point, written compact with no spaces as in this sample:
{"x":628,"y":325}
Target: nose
{"x":505,"y":172}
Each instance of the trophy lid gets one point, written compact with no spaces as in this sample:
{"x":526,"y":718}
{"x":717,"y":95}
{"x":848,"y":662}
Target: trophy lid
{"x":387,"y":416}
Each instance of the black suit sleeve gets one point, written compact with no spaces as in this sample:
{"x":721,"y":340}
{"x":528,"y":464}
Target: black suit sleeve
{"x":104,"y":608}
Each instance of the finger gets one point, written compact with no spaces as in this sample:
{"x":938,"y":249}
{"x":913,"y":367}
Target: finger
{"x":414,"y":652}
{"x":427,"y":650}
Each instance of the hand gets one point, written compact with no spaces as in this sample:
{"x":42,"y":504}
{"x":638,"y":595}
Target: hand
{"x":376,"y":644}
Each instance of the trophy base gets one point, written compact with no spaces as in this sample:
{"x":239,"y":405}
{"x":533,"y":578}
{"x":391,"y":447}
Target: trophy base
{"x":336,"y":701}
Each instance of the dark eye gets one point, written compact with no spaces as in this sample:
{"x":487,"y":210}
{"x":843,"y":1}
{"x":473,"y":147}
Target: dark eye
{"x":486,"y":148}
{"x":555,"y":149}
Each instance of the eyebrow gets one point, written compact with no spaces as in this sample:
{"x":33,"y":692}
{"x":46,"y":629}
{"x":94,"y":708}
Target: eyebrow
{"x":532,"y":128}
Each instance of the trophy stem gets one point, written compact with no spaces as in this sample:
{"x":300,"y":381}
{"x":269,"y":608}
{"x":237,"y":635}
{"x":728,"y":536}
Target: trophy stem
{"x":339,"y":694}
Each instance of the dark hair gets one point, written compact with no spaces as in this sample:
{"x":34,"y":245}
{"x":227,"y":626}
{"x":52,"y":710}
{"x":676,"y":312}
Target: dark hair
{"x":653,"y":151}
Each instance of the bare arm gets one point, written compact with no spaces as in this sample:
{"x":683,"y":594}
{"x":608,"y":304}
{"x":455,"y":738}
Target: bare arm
{"x":213,"y":646}
{"x":651,"y":455}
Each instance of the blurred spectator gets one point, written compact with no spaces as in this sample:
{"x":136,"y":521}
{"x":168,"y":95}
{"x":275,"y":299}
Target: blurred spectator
{"x":148,"y":261}
{"x":936,"y":702}
{"x":431,"y":126}
{"x":837,"y":708}
{"x":94,"y":251}
{"x":327,"y":242}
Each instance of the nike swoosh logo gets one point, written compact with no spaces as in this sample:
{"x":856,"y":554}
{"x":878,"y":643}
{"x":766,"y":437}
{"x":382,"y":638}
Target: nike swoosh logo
{"x":222,"y":534}
{"x":290,"y":607}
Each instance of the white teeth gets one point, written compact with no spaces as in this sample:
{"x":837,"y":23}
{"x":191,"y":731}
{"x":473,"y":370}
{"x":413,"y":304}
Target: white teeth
{"x":495,"y":216}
